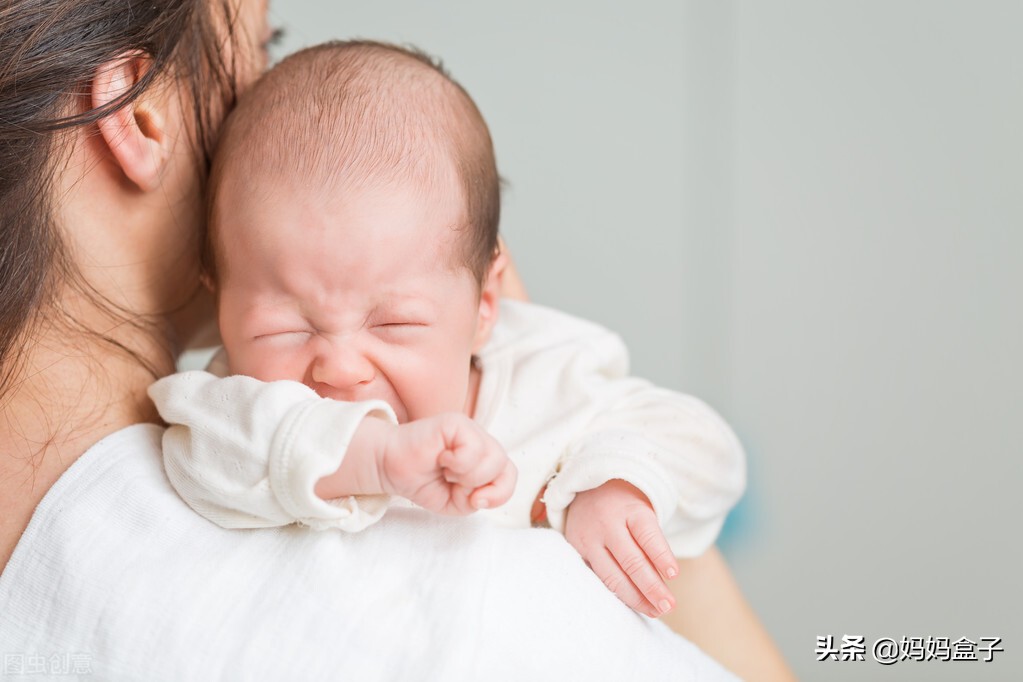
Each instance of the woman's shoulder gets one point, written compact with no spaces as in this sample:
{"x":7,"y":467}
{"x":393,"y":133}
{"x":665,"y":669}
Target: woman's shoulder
{"x":87,"y":498}
{"x":116,"y":566}
{"x":117,"y":571}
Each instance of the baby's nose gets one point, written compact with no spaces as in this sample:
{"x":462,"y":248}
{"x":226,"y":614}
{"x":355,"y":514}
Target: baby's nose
{"x":342,"y":368}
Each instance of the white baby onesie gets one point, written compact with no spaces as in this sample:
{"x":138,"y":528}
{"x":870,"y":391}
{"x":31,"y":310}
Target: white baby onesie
{"x":554,"y":391}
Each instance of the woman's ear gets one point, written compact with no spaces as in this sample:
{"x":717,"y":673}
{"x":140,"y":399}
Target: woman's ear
{"x":490,"y":298}
{"x":135,"y":133}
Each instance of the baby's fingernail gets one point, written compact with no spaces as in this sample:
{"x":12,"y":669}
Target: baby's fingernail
{"x":671,"y":572}
{"x":664,"y":605}
{"x":482,"y":504}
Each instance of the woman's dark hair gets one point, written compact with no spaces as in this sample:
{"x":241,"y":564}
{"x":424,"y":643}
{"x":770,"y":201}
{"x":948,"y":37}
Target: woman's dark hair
{"x":50,"y":51}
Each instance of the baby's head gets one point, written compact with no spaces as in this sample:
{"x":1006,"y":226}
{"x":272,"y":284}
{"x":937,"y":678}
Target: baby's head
{"x":353,"y":229}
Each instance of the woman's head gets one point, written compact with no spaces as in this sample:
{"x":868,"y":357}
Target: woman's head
{"x":57,"y":100}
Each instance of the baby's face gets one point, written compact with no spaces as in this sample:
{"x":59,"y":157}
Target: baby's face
{"x":357,"y":295}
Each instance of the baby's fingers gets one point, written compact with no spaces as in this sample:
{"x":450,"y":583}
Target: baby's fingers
{"x":641,"y":572}
{"x":474,"y":463}
{"x":608,"y":570}
{"x":459,"y":502}
{"x":498,"y":491}
{"x":648,"y":535}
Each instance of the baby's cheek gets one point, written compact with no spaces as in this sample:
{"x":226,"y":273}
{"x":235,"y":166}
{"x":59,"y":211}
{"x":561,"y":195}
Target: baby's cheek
{"x":449,"y":395}
{"x":269,"y":366}
{"x":428,"y":381}
{"x":422,"y":400}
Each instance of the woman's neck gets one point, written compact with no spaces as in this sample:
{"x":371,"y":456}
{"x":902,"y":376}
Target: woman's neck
{"x":69,"y":394}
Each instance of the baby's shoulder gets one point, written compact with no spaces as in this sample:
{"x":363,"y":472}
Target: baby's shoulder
{"x":524,"y":328}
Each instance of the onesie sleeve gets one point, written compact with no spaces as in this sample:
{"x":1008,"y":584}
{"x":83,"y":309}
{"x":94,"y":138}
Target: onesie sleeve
{"x":247,"y":454}
{"x":671,"y":446}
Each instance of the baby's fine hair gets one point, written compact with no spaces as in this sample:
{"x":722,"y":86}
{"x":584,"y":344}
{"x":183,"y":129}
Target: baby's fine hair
{"x":356,"y":113}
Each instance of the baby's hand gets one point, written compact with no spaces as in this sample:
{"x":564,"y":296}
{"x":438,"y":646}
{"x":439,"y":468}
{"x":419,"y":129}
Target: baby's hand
{"x":446,"y":464}
{"x":615,"y":530}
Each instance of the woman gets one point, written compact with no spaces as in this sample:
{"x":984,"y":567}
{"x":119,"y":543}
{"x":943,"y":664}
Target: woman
{"x":108,"y":115}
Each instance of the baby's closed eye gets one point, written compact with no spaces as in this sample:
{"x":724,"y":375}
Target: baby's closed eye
{"x":399,"y":325}
{"x":399,"y":331}
{"x":285,"y":336}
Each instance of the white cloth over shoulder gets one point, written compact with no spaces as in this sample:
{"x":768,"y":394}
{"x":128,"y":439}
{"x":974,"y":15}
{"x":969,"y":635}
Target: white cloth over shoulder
{"x":247,"y":454}
{"x":117,"y":571}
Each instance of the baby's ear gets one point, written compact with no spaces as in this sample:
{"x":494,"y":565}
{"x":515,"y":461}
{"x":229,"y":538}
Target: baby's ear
{"x":490,"y":298}
{"x":207,"y":281}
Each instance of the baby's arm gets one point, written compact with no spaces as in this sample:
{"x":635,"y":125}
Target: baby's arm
{"x":249,"y":454}
{"x":684,"y":466}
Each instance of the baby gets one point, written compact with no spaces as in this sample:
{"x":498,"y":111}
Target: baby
{"x":353,"y":251}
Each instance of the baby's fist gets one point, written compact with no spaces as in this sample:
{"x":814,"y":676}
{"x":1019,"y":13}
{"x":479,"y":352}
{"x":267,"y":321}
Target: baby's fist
{"x":447,"y":464}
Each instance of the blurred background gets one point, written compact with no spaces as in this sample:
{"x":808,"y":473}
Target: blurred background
{"x":810,"y":214}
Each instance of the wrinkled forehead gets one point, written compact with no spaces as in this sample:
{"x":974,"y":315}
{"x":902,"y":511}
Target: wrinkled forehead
{"x":274,"y":219}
